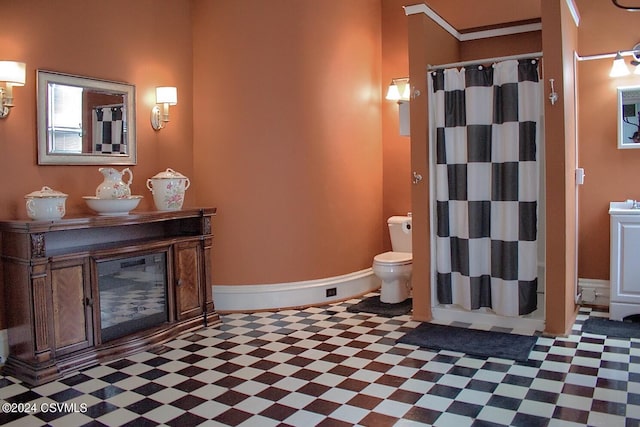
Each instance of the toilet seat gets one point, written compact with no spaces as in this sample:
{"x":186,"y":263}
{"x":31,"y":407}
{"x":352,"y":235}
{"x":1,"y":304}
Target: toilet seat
{"x":393,"y":258}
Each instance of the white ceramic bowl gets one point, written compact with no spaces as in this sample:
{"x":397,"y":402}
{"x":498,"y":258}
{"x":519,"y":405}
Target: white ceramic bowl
{"x":112,"y":206}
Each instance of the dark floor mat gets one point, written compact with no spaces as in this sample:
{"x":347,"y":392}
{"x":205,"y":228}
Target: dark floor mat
{"x":375,"y":306}
{"x":611,"y":328}
{"x":471,"y":341}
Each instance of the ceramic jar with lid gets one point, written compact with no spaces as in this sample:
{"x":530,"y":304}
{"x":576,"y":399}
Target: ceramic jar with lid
{"x":168,"y":188}
{"x":45,"y":204}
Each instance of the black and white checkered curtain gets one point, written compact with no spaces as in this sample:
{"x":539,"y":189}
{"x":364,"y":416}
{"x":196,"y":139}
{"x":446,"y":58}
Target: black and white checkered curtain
{"x":486,"y":174}
{"x":108,"y":130}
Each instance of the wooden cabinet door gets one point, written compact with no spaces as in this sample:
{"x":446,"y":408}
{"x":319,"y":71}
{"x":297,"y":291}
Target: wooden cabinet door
{"x":188,"y":283}
{"x":71,"y":305}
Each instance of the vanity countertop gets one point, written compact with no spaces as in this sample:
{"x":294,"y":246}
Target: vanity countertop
{"x":624,"y":208}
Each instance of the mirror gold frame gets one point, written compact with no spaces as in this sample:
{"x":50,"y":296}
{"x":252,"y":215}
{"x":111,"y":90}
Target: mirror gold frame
{"x":628,"y":116}
{"x":85,"y":121}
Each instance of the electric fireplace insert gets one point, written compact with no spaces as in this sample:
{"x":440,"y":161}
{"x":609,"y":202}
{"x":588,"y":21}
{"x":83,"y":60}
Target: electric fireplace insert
{"x":133,"y":294}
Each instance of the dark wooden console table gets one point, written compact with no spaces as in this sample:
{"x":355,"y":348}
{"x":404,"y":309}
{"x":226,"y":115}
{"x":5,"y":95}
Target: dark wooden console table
{"x":52,"y":300}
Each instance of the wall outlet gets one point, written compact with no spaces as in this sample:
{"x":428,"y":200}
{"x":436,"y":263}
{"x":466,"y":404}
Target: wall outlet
{"x":331,"y":292}
{"x":588,"y":295}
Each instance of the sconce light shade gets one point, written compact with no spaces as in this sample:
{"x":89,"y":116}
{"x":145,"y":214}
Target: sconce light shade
{"x":393,"y":93}
{"x":636,"y":63}
{"x":406,"y":93}
{"x":619,"y":67}
{"x":12,"y":74}
{"x":399,"y":90}
{"x":167,"y":94}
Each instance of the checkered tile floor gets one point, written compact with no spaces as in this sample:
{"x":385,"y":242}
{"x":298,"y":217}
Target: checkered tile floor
{"x":325,"y":366}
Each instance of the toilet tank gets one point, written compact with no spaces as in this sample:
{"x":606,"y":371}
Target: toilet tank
{"x":400,"y":232}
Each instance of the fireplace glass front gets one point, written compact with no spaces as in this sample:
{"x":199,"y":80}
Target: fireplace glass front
{"x":133,"y":294}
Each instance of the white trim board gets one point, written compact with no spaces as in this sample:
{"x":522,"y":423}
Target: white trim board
{"x":247,"y":298}
{"x":574,"y":12}
{"x":474,"y":35}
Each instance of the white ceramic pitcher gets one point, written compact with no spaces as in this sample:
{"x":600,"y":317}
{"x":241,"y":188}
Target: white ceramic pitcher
{"x":113,"y":186}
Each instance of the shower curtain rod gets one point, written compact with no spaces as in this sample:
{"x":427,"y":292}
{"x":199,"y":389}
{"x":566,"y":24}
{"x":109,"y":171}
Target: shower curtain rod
{"x":484,"y":61}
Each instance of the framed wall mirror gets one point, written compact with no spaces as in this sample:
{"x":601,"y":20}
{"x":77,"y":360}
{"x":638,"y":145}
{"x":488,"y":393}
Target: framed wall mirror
{"x":629,"y":117}
{"x":85,"y":121}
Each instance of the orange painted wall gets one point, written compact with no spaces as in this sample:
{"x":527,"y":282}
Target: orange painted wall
{"x":559,"y":41}
{"x":78,"y":37}
{"x":396,"y":149}
{"x":611,"y":174}
{"x":428,"y":44}
{"x":287,"y":136}
{"x":150,"y":46}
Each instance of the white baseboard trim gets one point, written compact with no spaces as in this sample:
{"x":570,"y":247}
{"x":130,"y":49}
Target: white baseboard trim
{"x":4,"y":346}
{"x":247,"y":298}
{"x":594,"y":292}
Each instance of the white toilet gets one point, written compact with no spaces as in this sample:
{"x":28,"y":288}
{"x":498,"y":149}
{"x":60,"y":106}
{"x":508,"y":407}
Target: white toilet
{"x":394,"y":268}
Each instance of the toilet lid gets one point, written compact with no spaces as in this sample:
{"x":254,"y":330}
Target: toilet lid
{"x":400,"y":258}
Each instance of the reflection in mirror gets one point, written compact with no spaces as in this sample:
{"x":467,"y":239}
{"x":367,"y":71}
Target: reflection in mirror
{"x":629,"y":117}
{"x":85,"y":121}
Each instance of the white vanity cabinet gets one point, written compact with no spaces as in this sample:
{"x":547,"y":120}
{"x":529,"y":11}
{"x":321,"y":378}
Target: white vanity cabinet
{"x":625,"y":260}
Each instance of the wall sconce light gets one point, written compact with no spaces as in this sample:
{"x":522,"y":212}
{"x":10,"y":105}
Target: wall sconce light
{"x":165,"y":95}
{"x":619,"y":67}
{"x":636,"y":59}
{"x":11,"y":74}
{"x":399,"y":90}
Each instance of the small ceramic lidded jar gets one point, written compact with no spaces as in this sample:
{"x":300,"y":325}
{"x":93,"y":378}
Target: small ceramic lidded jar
{"x":46,"y":204}
{"x":168,"y":189}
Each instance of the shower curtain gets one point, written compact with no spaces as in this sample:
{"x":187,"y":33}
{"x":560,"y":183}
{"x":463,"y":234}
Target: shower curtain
{"x":486,"y":179}
{"x":108,"y":130}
